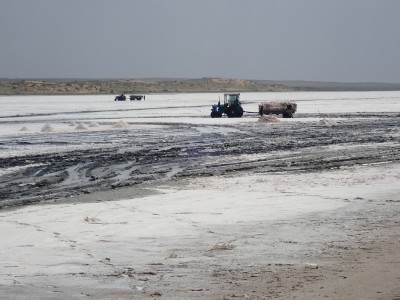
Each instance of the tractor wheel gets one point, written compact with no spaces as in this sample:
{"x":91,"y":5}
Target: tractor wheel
{"x":230,"y":113}
{"x":239,"y":112}
{"x":214,"y":114}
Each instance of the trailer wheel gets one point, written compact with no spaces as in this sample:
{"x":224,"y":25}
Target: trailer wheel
{"x":287,"y":114}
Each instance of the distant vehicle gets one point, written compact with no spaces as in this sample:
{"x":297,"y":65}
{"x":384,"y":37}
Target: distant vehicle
{"x":137,"y":97}
{"x":121,"y":97}
{"x":231,"y":107}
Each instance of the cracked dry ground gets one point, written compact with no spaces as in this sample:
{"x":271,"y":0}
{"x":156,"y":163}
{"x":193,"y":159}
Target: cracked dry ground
{"x":145,"y":157}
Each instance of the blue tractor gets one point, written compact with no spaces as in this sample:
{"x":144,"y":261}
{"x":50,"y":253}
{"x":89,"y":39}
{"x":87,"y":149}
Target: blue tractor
{"x":121,"y":97}
{"x":231,"y":107}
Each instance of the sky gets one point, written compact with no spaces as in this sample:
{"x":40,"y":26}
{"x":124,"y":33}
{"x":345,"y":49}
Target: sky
{"x":314,"y":40}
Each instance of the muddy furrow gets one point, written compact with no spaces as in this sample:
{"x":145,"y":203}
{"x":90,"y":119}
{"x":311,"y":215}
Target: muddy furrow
{"x":144,"y":156}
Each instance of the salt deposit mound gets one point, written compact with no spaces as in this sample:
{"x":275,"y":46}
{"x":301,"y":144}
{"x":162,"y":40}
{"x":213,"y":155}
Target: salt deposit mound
{"x":82,"y":126}
{"x":72,"y":124}
{"x":121,"y":124}
{"x":268,"y":119}
{"x":94,"y":124}
{"x":24,"y":129}
{"x":47,"y":128}
{"x":326,"y":122}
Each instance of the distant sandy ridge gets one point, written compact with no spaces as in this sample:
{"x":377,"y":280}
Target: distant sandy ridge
{"x":164,"y":85}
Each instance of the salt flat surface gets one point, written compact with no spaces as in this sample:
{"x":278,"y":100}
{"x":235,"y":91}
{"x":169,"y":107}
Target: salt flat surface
{"x":67,"y":248}
{"x":33,"y":112}
{"x":250,"y":200}
{"x":324,"y":102}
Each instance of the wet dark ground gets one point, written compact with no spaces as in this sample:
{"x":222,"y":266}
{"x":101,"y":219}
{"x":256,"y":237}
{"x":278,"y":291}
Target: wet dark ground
{"x":147,"y":156}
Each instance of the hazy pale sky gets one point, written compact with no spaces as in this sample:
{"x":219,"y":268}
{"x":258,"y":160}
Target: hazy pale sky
{"x":320,"y":40}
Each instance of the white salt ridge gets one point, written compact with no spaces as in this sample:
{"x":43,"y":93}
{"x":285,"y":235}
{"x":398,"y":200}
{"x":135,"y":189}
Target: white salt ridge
{"x":94,"y":124}
{"x":47,"y":128}
{"x":326,"y":122}
{"x":269,"y":119}
{"x":82,"y":126}
{"x":121,"y":124}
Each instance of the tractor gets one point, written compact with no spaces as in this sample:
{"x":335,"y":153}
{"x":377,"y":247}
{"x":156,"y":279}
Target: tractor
{"x":121,"y":97}
{"x":231,"y":107}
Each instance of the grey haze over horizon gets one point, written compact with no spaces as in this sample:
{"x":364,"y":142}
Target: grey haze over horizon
{"x":308,"y":40}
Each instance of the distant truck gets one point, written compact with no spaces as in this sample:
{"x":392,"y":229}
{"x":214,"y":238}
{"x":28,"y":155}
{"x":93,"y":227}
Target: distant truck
{"x":137,"y":97}
{"x":284,"y":108}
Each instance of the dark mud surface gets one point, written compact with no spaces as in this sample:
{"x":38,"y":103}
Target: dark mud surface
{"x":147,"y":156}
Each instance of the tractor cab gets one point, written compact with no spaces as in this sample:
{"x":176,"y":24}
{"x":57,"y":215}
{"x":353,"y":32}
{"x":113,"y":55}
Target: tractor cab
{"x":231,"y":99}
